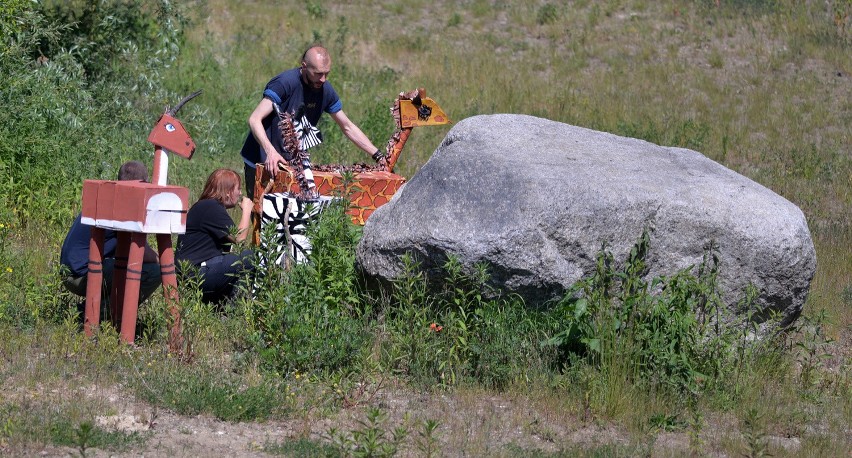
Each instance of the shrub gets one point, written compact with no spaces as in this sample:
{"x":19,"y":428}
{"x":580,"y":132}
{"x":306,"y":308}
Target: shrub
{"x":310,"y":318}
{"x":672,"y":333}
{"x":465,"y":333}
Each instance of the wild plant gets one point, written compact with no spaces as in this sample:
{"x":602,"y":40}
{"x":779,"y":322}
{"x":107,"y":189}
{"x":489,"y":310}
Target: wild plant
{"x":695,"y":424}
{"x":426,"y":440}
{"x":547,"y":14}
{"x":811,"y":348}
{"x":259,"y":298}
{"x":196,"y":317}
{"x":455,"y":20}
{"x":746,"y":336}
{"x":7,"y":273}
{"x":462,"y":306}
{"x":332,"y":261}
{"x":302,"y":446}
{"x":201,"y":386}
{"x":32,"y":298}
{"x":309,"y":318}
{"x":370,"y":438}
{"x":5,"y":241}
{"x":6,"y":430}
{"x":670,"y":333}
{"x":409,"y":288}
{"x":754,"y":434}
{"x":83,"y":436}
{"x":459,"y":329}
{"x":488,"y":338}
{"x":413,"y":347}
{"x":315,"y":10}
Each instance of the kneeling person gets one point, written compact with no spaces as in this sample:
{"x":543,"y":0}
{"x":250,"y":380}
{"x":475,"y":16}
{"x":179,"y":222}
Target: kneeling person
{"x":75,"y":252}
{"x":206,"y":245}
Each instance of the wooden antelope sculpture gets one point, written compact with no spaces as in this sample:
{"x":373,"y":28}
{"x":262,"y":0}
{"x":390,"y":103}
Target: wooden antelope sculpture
{"x":134,"y":209}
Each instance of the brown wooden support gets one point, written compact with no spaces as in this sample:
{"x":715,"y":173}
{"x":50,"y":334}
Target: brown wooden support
{"x":168,"y":273}
{"x":94,"y":281}
{"x":132,"y":283}
{"x":119,"y":277}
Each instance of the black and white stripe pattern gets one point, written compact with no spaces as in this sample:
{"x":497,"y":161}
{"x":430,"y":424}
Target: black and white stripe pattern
{"x":290,"y":217}
{"x":309,"y":136}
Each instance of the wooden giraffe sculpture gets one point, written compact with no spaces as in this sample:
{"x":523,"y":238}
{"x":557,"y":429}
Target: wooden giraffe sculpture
{"x":372,"y":186}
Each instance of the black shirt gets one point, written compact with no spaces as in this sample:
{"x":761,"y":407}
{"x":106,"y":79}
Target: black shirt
{"x":207,"y":228}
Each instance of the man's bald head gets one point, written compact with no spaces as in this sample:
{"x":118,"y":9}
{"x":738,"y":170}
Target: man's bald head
{"x":316,"y":65}
{"x":316,"y":55}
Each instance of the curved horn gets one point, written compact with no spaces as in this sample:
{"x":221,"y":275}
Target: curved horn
{"x":173,"y":111}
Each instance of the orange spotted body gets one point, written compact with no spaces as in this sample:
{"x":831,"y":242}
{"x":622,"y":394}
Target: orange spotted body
{"x":367,"y":191}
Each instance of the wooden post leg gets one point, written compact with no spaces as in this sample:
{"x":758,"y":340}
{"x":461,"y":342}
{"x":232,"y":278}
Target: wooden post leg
{"x":93,"y":281}
{"x":133,"y":281}
{"x":168,"y":273}
{"x":119,"y":277}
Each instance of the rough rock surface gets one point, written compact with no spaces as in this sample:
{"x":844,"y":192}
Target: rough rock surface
{"x":534,"y":199}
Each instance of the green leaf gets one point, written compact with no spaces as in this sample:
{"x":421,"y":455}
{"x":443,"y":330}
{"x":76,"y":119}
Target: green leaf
{"x":580,"y":308}
{"x":594,"y":345}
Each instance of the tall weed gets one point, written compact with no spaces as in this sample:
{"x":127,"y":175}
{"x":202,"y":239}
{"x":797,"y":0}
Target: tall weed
{"x":310,"y":318}
{"x":672,"y":334}
{"x":462,"y":333}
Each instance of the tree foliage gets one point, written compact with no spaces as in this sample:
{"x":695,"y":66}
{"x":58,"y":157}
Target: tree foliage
{"x":81,"y":79}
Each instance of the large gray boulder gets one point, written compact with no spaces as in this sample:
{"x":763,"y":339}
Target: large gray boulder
{"x":534,"y":199}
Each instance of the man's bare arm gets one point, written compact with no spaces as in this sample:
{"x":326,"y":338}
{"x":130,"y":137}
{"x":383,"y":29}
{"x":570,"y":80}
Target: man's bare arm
{"x":353,"y":133}
{"x":255,"y":122}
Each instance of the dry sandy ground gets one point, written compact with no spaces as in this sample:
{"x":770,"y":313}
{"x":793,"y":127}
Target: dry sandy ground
{"x":474,"y":425}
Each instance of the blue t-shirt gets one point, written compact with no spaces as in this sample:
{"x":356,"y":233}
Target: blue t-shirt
{"x":291,"y":94}
{"x":207,"y":228}
{"x":75,"y":247}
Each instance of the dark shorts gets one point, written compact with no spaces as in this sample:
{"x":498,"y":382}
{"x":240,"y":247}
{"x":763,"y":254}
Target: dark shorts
{"x":249,"y":178}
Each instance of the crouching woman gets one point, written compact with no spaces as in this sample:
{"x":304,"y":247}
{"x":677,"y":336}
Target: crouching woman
{"x":206,"y":245}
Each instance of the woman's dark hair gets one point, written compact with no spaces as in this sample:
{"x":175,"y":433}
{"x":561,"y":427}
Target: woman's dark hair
{"x":220,"y":184}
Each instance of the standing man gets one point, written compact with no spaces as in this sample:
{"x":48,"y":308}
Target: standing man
{"x":75,"y":252}
{"x":305,"y":92}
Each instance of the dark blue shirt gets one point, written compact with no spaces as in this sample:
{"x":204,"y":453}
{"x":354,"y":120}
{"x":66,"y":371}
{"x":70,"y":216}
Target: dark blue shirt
{"x":75,"y":248}
{"x":290,"y":93}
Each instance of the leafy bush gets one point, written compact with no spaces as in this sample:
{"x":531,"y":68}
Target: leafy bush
{"x":310,"y":318}
{"x":680,"y":339}
{"x":463,"y":333}
{"x":99,"y":34}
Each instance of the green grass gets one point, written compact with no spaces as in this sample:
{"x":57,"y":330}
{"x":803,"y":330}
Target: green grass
{"x":761,"y":87}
